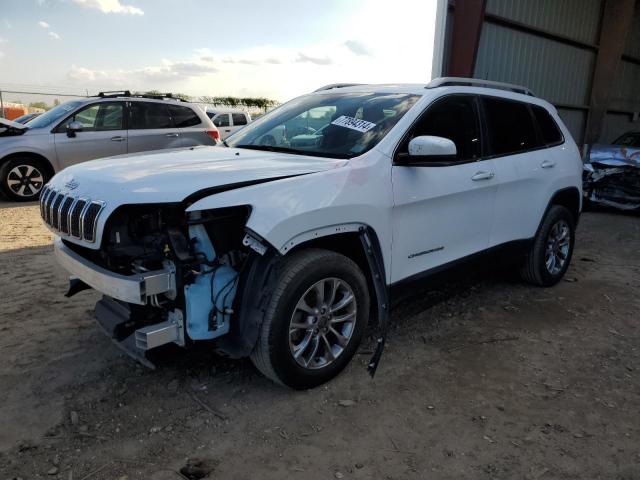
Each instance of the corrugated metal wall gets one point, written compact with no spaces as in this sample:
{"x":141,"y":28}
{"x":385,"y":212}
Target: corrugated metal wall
{"x":517,"y":46}
{"x":558,"y":72}
{"x":576,"y":19}
{"x":616,"y":124}
{"x":633,"y":40}
{"x":625,"y":92}
{"x":554,"y":70}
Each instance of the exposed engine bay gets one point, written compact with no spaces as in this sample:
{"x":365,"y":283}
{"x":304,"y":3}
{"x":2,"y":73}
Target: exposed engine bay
{"x":204,"y":249}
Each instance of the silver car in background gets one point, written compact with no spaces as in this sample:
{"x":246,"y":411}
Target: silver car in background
{"x":113,"y":123}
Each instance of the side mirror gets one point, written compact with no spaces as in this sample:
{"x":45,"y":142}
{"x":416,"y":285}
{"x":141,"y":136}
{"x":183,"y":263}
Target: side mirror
{"x":435,"y":148}
{"x":73,"y":128}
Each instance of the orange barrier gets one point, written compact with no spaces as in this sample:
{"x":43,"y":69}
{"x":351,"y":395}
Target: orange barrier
{"x":11,"y":113}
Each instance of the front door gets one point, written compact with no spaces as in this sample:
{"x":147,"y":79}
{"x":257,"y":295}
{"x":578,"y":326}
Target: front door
{"x":442,"y":210}
{"x":103,"y":134}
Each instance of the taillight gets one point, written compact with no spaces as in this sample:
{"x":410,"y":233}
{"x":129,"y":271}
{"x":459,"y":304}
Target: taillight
{"x":215,"y":134}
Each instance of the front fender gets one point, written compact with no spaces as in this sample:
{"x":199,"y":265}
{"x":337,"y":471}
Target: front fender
{"x":290,"y":211}
{"x":11,"y":150}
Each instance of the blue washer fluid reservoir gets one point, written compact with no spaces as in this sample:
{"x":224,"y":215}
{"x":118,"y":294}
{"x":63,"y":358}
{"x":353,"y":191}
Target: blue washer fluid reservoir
{"x":199,"y":295}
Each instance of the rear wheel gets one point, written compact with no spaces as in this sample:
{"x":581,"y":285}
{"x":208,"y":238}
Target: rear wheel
{"x":22,"y":179}
{"x":315,"y":319}
{"x":549,"y":257}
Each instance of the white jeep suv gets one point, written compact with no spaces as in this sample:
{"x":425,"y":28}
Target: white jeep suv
{"x":284,"y":253}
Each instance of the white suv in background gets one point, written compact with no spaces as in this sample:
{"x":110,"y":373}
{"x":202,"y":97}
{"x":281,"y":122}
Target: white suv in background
{"x":228,"y":121}
{"x":113,"y":123}
{"x":283,"y":252}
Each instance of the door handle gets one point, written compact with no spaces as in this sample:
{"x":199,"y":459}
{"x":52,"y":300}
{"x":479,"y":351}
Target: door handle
{"x":118,"y":139}
{"x":548,"y":164}
{"x":172,"y":134}
{"x":482,"y":176}
{"x":227,"y":131}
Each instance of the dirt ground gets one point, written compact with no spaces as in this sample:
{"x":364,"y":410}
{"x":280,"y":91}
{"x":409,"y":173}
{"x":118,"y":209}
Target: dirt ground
{"x":487,"y":378}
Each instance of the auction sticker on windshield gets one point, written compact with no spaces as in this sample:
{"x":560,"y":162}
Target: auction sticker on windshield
{"x":353,"y":123}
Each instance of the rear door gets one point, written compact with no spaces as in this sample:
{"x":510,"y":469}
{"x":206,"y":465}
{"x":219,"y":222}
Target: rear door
{"x":442,"y":210}
{"x":223,"y":122}
{"x":150,"y":127}
{"x":103,"y":134}
{"x":524,"y":168}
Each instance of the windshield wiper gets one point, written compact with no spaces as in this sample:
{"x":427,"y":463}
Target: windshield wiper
{"x":310,"y":153}
{"x":272,"y":148}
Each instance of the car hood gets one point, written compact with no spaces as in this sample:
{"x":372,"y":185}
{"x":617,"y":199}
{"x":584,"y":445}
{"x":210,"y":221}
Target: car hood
{"x":9,"y":123}
{"x":175,"y":175}
{"x":8,"y":128}
{"x":614,"y":156}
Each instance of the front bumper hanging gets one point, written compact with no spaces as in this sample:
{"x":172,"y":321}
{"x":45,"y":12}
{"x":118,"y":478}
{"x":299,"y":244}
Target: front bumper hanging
{"x":136,"y":288}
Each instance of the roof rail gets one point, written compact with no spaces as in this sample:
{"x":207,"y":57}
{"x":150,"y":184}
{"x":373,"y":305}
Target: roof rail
{"x":127,"y":93}
{"x":115,"y":93}
{"x":160,"y":96}
{"x":331,"y":86}
{"x":477,"y":82}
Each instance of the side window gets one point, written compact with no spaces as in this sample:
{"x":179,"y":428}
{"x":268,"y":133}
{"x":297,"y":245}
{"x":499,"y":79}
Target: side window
{"x":510,"y":126}
{"x":183,"y":116}
{"x":221,"y":120}
{"x":239,"y":119}
{"x":148,"y":115}
{"x":456,"y":118}
{"x":97,"y":117}
{"x":550,"y":132}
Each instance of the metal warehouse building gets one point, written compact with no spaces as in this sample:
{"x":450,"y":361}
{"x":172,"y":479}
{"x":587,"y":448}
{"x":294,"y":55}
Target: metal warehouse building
{"x":581,"y":55}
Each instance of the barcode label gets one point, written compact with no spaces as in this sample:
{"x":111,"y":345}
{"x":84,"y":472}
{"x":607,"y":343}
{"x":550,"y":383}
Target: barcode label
{"x":353,"y":123}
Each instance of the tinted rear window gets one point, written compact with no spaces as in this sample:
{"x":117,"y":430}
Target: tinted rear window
{"x":183,"y":116}
{"x":147,"y":115}
{"x":510,"y":126}
{"x":239,"y":119}
{"x":550,"y":132}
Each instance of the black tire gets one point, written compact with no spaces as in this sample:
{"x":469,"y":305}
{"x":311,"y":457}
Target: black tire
{"x":300,"y":271}
{"x":30,"y":172}
{"x":534,"y":269}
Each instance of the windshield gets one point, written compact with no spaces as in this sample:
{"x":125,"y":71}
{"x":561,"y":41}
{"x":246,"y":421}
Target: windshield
{"x":339,"y":125}
{"x":54,"y":114}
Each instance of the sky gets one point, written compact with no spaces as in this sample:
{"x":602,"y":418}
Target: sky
{"x":277,"y":49}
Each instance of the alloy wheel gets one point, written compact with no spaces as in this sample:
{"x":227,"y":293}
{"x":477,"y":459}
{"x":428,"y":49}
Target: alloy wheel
{"x":25,"y":180}
{"x":322,"y":323}
{"x":558,"y":244}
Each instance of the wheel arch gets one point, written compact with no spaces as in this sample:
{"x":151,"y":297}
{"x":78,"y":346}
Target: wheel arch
{"x":569,"y":198}
{"x":263,"y":270}
{"x":46,"y":163}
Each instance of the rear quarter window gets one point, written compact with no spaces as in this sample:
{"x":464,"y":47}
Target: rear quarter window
{"x":183,"y":116}
{"x":510,"y":126}
{"x":549,"y":130}
{"x":239,"y":119}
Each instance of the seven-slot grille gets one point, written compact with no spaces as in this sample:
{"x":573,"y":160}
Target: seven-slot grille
{"x":70,"y":215}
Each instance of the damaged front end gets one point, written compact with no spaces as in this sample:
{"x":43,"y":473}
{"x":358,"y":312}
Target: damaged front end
{"x":612,"y":177}
{"x":168,"y":276}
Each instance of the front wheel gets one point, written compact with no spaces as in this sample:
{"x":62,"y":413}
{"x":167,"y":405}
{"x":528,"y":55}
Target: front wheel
{"x":22,"y":179}
{"x":549,"y":257}
{"x":315,"y":319}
